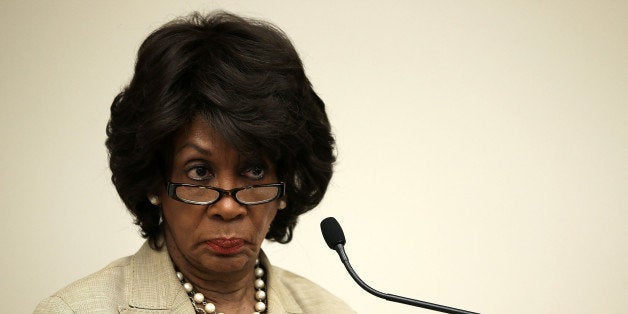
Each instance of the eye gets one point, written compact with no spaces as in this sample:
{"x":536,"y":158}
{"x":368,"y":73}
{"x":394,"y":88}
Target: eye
{"x":199,"y":173}
{"x":256,"y":172}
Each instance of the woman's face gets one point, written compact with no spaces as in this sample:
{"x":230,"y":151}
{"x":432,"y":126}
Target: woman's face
{"x":226,"y":236}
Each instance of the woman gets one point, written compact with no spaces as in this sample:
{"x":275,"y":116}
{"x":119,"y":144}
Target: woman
{"x":218,"y":142}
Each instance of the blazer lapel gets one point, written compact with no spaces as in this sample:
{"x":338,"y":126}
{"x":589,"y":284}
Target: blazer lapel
{"x":279,"y":298}
{"x":152,"y":284}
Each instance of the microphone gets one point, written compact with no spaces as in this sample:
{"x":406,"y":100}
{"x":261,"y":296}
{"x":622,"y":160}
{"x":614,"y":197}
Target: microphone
{"x":335,"y":238}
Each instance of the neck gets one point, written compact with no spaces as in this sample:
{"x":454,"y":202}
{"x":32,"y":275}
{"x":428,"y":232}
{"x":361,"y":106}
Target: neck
{"x":223,"y":294}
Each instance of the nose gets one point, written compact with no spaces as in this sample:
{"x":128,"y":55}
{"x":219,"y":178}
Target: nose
{"x":226,"y":209}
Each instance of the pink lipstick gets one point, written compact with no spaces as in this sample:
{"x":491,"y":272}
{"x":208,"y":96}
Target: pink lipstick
{"x":226,"y":246}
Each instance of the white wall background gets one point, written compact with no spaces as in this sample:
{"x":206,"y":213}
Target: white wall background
{"x":483,"y":147}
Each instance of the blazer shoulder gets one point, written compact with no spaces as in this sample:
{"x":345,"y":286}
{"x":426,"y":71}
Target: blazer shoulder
{"x":103,"y":290}
{"x":52,"y":304}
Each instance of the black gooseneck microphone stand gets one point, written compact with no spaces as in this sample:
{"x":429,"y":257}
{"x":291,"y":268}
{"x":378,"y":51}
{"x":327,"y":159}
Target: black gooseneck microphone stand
{"x":335,"y":238}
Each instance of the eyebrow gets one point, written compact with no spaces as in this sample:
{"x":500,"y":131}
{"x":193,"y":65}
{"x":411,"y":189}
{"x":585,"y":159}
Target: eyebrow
{"x":195,"y":147}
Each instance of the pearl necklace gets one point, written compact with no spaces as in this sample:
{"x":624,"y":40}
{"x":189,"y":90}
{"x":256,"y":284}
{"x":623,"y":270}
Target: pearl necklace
{"x":202,"y":306}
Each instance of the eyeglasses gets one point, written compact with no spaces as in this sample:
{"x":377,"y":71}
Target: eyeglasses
{"x":207,"y":195}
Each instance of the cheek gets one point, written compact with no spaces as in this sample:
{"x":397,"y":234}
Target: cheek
{"x":178,"y":217}
{"x":264,"y":219}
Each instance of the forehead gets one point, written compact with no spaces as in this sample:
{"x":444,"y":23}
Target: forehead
{"x":201,"y":137}
{"x":199,"y":134}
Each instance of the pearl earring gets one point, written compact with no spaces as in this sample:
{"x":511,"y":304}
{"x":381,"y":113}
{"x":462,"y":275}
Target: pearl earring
{"x":154,"y":199}
{"x":282,"y":204}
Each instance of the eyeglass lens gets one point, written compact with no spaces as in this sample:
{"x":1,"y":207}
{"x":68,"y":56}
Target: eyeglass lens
{"x":250,"y":195}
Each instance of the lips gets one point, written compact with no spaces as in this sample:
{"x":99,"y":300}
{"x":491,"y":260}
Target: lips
{"x":226,"y":246}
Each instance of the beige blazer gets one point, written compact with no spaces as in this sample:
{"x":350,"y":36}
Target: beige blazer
{"x":146,"y":283}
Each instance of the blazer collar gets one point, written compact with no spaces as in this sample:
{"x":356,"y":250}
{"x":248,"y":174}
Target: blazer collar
{"x":152,"y":282}
{"x":280,"y":299}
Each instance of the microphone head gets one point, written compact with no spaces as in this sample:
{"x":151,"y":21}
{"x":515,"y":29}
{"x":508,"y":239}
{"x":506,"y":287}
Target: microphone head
{"x":332,"y":232}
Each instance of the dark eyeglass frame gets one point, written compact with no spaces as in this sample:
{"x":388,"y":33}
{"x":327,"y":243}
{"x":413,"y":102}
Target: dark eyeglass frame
{"x":172,"y":187}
